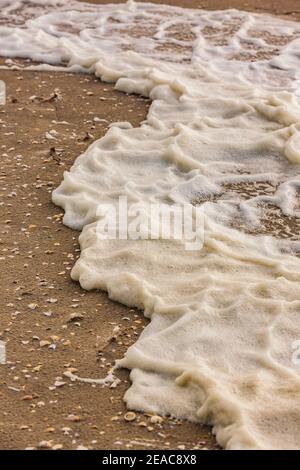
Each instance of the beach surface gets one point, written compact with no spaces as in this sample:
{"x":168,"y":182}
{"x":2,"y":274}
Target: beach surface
{"x":49,"y":325}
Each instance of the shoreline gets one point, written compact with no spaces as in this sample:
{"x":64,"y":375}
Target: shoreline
{"x":43,"y":341}
{"x":49,"y":324}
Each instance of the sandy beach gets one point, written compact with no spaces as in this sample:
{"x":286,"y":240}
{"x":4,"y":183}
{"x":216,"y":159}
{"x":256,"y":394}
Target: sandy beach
{"x":49,"y":324}
{"x":290,"y":8}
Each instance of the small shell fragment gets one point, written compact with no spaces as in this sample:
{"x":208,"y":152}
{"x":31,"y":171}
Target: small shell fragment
{"x":130,"y":416}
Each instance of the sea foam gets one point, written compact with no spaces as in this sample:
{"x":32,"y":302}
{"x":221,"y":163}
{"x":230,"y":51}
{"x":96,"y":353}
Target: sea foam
{"x":223,"y":132}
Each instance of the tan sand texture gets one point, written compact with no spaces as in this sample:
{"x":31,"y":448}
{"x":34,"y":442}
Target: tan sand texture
{"x":49,"y":324}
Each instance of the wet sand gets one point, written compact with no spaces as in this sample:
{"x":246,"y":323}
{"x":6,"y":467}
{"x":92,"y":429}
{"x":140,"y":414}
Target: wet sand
{"x":49,"y":324}
{"x":288,"y":8}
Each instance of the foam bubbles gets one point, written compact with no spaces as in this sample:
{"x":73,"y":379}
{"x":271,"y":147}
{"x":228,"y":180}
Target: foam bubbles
{"x":222,"y":132}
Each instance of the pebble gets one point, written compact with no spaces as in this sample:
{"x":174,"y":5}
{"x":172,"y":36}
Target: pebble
{"x":44,"y":445}
{"x":74,"y":418}
{"x":156,"y":419}
{"x":66,"y":430}
{"x":27,"y":397}
{"x":59,"y":383}
{"x":57,"y":447}
{"x":130,"y":416}
{"x":32,"y":306}
{"x":74,"y":317}
{"x":50,"y":429}
{"x":142,"y":424}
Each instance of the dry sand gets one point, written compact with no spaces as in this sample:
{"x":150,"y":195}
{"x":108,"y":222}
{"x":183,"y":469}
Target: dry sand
{"x":37,"y":403}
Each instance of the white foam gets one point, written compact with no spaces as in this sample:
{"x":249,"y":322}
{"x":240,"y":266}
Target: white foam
{"x":223,"y":320}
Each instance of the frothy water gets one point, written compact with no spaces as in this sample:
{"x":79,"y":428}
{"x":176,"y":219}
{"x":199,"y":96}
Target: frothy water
{"x":223,"y":131}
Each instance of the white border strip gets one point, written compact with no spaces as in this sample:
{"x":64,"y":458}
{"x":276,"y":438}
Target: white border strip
{"x":2,"y":93}
{"x":2,"y":353}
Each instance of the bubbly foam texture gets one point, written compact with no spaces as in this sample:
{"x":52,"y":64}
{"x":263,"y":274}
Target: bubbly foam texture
{"x":223,"y":131}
